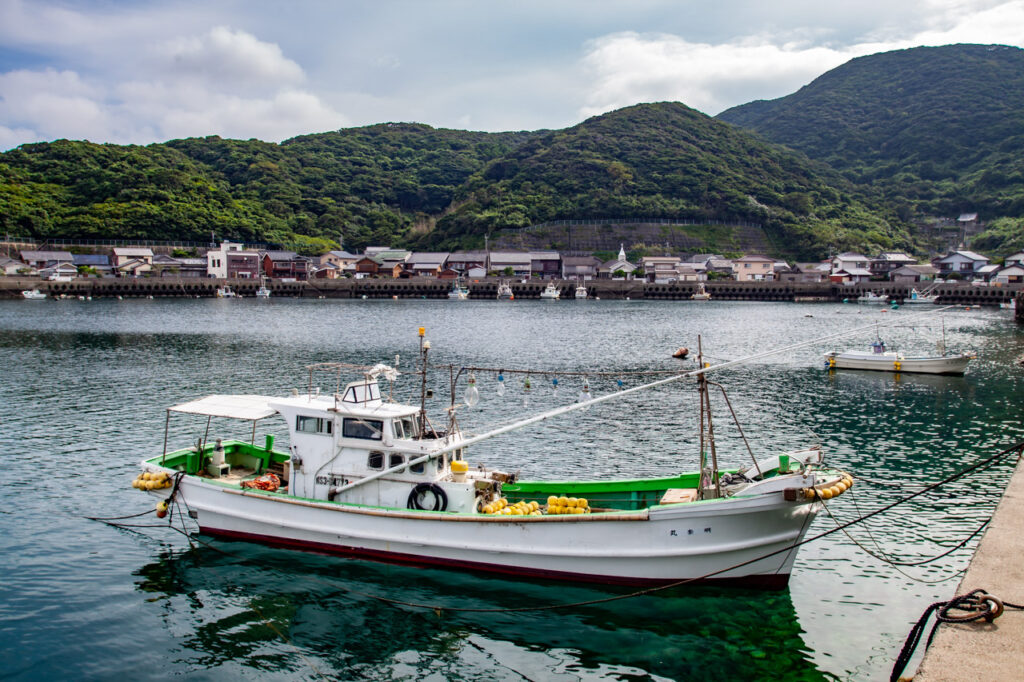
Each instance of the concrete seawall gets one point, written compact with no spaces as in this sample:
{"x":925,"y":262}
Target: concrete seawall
{"x":427,"y":287}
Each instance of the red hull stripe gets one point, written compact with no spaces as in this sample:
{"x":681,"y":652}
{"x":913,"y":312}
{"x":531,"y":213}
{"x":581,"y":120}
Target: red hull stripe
{"x":769,"y":582}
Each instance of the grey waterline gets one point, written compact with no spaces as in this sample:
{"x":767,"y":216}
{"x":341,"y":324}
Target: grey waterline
{"x":85,"y":388}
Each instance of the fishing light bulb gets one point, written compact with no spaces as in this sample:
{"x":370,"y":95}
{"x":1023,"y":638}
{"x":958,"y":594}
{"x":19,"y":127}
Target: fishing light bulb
{"x":501,"y":384}
{"x":472,"y":396}
{"x":585,"y":392}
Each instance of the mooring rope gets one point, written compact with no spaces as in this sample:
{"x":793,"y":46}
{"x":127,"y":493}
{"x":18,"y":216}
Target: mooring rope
{"x":977,"y":605}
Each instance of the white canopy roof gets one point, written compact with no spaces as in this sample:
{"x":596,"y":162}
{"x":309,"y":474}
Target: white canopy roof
{"x":251,"y":407}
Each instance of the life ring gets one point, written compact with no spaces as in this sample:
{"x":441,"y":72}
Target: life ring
{"x":440,"y":497}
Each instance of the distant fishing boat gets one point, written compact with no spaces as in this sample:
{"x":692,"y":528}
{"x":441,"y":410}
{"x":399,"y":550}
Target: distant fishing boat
{"x":459,"y":291}
{"x":581,"y":290}
{"x":701,"y":294}
{"x":551,"y":292}
{"x":226,"y":292}
{"x":871,"y":297}
{"x":919,"y":297}
{"x":33,"y":295}
{"x":880,"y":359}
{"x":505,"y":292}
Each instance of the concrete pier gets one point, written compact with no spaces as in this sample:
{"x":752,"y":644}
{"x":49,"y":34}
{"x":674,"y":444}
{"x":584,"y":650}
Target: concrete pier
{"x":486,"y":288}
{"x":979,"y":650}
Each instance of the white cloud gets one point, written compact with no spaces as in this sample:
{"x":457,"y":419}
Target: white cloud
{"x":626,"y":68}
{"x":230,"y":59}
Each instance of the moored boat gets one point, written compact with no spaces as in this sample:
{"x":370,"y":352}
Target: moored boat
{"x":368,"y":477}
{"x":581,"y":291}
{"x":226,"y":292}
{"x":872,"y":298}
{"x":701,"y":294}
{"x":551,"y":292}
{"x":882,"y":360}
{"x":33,"y":295}
{"x":505,"y":291}
{"x":920,"y":297}
{"x":459,"y":291}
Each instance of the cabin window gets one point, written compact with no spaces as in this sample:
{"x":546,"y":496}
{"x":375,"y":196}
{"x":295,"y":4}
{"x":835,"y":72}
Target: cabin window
{"x":418,"y":468}
{"x":361,"y":393}
{"x":368,"y":429}
{"x":375,"y":460}
{"x":313,"y":425}
{"x":397,"y":426}
{"x":396,"y":460}
{"x":408,"y":427}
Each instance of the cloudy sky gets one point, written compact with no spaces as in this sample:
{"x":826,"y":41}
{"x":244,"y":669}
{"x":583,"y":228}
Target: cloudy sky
{"x":139,"y":71}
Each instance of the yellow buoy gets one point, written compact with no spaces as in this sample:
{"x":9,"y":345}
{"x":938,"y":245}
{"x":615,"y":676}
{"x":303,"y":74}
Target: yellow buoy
{"x":582,"y":502}
{"x":563,"y":501}
{"x":826,"y":494}
{"x":573,"y":501}
{"x":552,"y":500}
{"x":809,"y":494}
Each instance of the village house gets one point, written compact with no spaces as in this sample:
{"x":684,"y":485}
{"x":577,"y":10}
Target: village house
{"x":97,"y":262}
{"x":754,"y":269}
{"x":232,"y":260}
{"x":807,"y":273}
{"x":545,"y":264}
{"x":963,"y":263}
{"x":660,"y":269}
{"x":42,"y":259}
{"x":426,"y":264}
{"x":909,"y":274}
{"x":1010,"y":274}
{"x":132,"y":261}
{"x":685,"y":272}
{"x":501,"y":261}
{"x":885,"y":263}
{"x":463,"y":262}
{"x":366,"y":266}
{"x":580,"y":267}
{"x":333,"y":264}
{"x":63,"y":272}
{"x":12,"y":266}
{"x":286,"y":265}
{"x":390,"y":258}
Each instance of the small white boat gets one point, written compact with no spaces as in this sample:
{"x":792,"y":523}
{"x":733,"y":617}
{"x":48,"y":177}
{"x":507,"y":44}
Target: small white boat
{"x":551,"y":292}
{"x":701,"y":294}
{"x":226,"y":292}
{"x":1012,"y":305}
{"x":920,"y":297}
{"x":367,"y":477}
{"x":881,"y":360}
{"x":459,"y":291}
{"x":263,"y":292}
{"x":33,"y":294}
{"x":505,"y":292}
{"x":872,"y":298}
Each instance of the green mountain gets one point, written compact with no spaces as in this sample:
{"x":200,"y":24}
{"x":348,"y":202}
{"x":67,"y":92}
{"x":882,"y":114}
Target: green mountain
{"x":933,"y":131}
{"x":413,"y":185}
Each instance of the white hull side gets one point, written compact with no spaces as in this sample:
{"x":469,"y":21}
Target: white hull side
{"x":663,"y":545}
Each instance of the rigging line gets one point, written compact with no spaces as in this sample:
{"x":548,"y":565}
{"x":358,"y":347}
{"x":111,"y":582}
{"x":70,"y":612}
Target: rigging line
{"x":895,"y":563}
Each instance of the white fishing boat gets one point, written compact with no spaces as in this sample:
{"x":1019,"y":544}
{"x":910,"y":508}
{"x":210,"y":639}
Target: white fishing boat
{"x":1011,"y":305}
{"x":551,"y":292}
{"x":264,"y":290}
{"x":701,"y":294}
{"x":505,"y":291}
{"x":920,"y":297}
{"x":879,"y":359}
{"x":226,"y":292}
{"x":33,"y":295}
{"x":459,"y":291}
{"x":872,"y":298}
{"x":367,"y":477}
{"x":581,"y":291}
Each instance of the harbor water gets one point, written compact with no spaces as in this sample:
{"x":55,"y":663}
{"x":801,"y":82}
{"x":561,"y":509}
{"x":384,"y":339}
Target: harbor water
{"x":83,"y":398}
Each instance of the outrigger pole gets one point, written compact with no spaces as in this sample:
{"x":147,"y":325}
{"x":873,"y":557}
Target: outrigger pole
{"x":558,"y":411}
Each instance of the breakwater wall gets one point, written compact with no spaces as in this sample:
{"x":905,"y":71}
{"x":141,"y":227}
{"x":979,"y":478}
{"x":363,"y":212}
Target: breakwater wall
{"x":428,"y":287}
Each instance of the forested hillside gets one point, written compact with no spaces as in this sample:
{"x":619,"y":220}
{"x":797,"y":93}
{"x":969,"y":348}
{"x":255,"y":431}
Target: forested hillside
{"x":412,"y":185}
{"x":935,"y":131}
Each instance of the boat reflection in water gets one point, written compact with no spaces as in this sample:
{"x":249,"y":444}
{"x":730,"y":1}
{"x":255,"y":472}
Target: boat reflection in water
{"x":236,"y":602}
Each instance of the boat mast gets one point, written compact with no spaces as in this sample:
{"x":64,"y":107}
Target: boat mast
{"x":424,"y":348}
{"x":705,"y":416}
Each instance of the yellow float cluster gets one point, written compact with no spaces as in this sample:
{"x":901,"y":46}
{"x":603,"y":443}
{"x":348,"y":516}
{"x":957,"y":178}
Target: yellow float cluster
{"x":501,"y":507}
{"x":834,"y":490}
{"x":152,"y":480}
{"x":568,"y":505}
